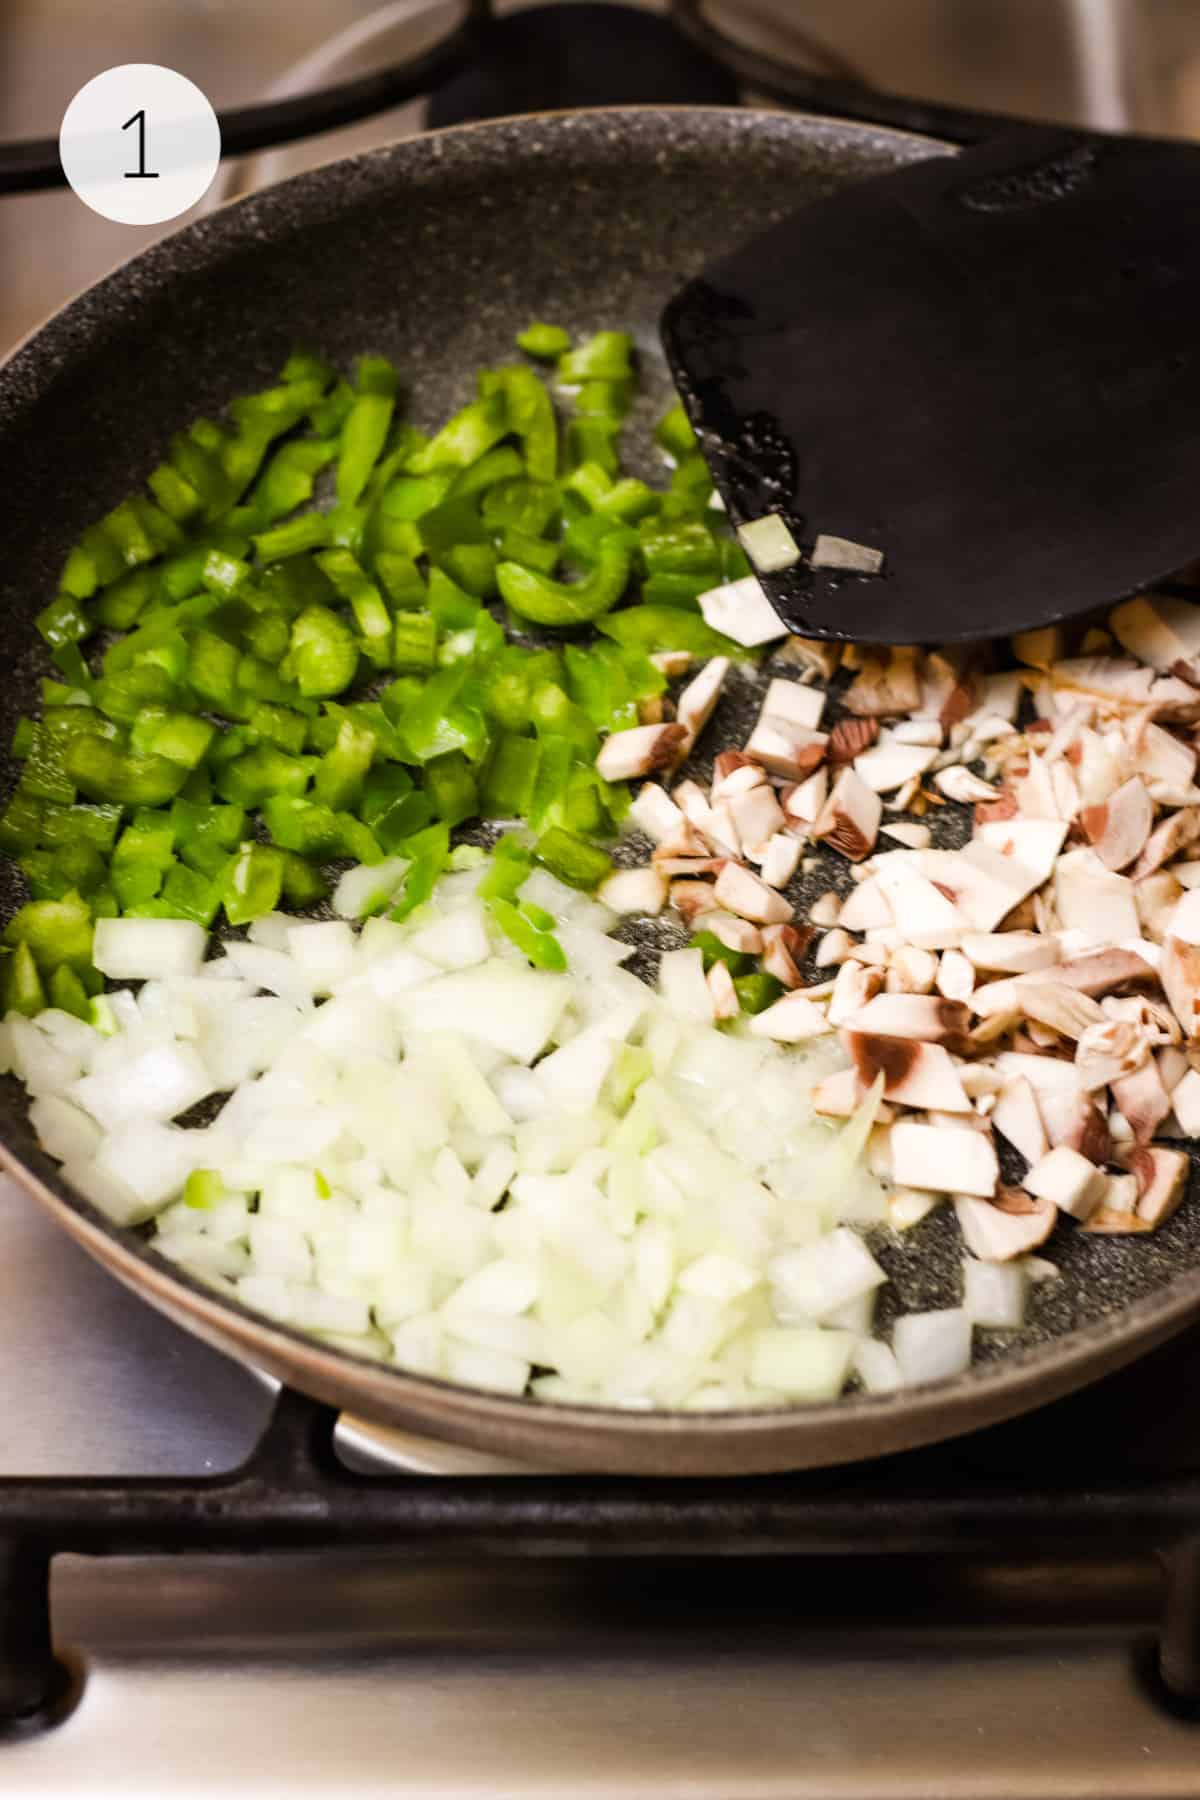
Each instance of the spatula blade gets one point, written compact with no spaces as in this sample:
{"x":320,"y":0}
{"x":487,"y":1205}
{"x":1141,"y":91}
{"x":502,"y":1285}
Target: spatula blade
{"x":984,"y":365}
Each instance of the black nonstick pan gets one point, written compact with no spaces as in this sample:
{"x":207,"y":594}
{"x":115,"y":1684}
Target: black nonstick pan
{"x":434,"y":252}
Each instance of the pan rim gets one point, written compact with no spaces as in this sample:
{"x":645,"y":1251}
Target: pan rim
{"x":986,"y":1393}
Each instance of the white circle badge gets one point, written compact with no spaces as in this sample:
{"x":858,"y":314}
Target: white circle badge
{"x":140,"y":144}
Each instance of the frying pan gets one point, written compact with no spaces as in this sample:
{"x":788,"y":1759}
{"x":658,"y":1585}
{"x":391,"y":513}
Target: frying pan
{"x":433,"y":252}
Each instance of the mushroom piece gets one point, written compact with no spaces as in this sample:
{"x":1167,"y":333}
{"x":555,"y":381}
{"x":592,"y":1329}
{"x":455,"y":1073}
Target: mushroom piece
{"x":634,"y":891}
{"x":920,"y":911}
{"x":639,"y":751}
{"x":955,"y":978}
{"x":849,"y":820}
{"x":1142,"y":1099}
{"x":1074,"y":1184}
{"x":1179,"y":972}
{"x":914,"y":836}
{"x":817,"y":656}
{"x":734,"y":774}
{"x":1010,"y":952}
{"x":692,"y":899}
{"x":850,"y":738}
{"x":914,"y":1074}
{"x":1108,"y":1051}
{"x":695,"y":705}
{"x":1016,"y":1117}
{"x":840,"y":1095}
{"x":1117,"y":829}
{"x":855,"y":985}
{"x":1011,"y":1225}
{"x":958,"y":783}
{"x":1157,"y":630}
{"x":945,"y":1159}
{"x":655,"y":813}
{"x":724,"y":994}
{"x":781,"y":858}
{"x":1039,"y":649}
{"x":888,"y":682}
{"x":1185,"y":1103}
{"x":794,"y":701}
{"x":740,"y":891}
{"x":925,"y":1017}
{"x":786,"y":749}
{"x":783,"y":949}
{"x":802,"y":802}
{"x":757,"y":816}
{"x":1089,"y":898}
{"x":1166,"y":841}
{"x":1064,"y":1009}
{"x":1162,"y":1183}
{"x":687,"y":865}
{"x":1156,"y":897}
{"x":672,"y":662}
{"x":825,"y":910}
{"x":890,"y":764}
{"x":865,"y":908}
{"x":790,"y":1020}
{"x":740,"y":610}
{"x":737,"y":934}
{"x":1163,"y":760}
{"x":911,"y":970}
{"x":835,"y":947}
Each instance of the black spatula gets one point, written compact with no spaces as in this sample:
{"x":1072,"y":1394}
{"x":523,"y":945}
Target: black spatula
{"x":985,"y":366}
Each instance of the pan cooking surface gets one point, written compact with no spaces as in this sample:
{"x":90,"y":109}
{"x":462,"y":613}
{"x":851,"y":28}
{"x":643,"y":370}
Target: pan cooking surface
{"x":434,"y":253}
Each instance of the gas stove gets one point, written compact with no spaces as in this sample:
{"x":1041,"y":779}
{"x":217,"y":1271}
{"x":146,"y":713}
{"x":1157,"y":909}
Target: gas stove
{"x":207,"y":1585}
{"x":250,"y":1597}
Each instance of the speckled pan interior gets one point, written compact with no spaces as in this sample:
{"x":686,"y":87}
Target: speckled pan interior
{"x":434,"y":252}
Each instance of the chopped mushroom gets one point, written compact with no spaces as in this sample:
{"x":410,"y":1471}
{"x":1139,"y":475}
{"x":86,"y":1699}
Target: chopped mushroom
{"x":655,"y":813}
{"x":786,"y":748}
{"x":790,"y":1020}
{"x":1074,"y":1184}
{"x":855,"y":985}
{"x":1118,"y":828}
{"x":634,"y":891}
{"x":695,"y":704}
{"x":911,"y":970}
{"x":926,"y":1017}
{"x":843,"y":553}
{"x":947,"y":1159}
{"x":740,"y":610}
{"x":1011,"y":1225}
{"x":1109,"y":1050}
{"x":1142,"y":1099}
{"x":1017,"y":1118}
{"x":757,"y":816}
{"x":955,"y":976}
{"x":724,"y":994}
{"x":890,"y":764}
{"x":783,"y":949}
{"x":639,"y":751}
{"x":740,"y":891}
{"x":803,"y":801}
{"x":794,"y":701}
{"x":915,"y":1074}
{"x":888,"y":682}
{"x":780,"y":860}
{"x":1162,"y":1182}
{"x":958,"y":783}
{"x":849,"y":820}
{"x":1064,"y":1009}
{"x":691,"y":899}
{"x":738,"y":934}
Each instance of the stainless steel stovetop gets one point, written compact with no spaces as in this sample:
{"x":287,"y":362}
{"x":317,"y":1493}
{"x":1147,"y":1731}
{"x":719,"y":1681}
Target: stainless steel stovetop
{"x":372,"y":1675}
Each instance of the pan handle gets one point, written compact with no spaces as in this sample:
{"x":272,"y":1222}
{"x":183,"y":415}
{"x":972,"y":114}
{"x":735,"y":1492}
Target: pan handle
{"x":838,"y":95}
{"x":33,"y":165}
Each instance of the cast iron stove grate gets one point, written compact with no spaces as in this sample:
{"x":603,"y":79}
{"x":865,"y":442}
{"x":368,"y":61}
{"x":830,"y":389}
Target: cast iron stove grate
{"x":1084,"y":1480}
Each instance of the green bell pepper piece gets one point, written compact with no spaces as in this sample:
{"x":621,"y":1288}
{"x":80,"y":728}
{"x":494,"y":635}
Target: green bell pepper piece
{"x":338,"y":782}
{"x":414,"y":643}
{"x":540,"y":948}
{"x":253,"y":883}
{"x":192,"y":895}
{"x":366,"y":428}
{"x":508,"y":869}
{"x":465,"y":438}
{"x":303,"y":826}
{"x":397,"y":823}
{"x":303,"y":885}
{"x":430,"y":851}
{"x":257,"y":774}
{"x":674,"y":432}
{"x":370,"y":614}
{"x":604,"y":357}
{"x":278,"y":725}
{"x":650,"y":628}
{"x":311,"y":531}
{"x":64,"y":622}
{"x":545,"y":342}
{"x":54,"y":931}
{"x":323,"y":658}
{"x":546,"y":602}
{"x":23,"y":990}
{"x":103,"y":771}
{"x":452,"y":789}
{"x":69,"y":995}
{"x":574,"y":862}
{"x":180,"y":737}
{"x":510,"y":778}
